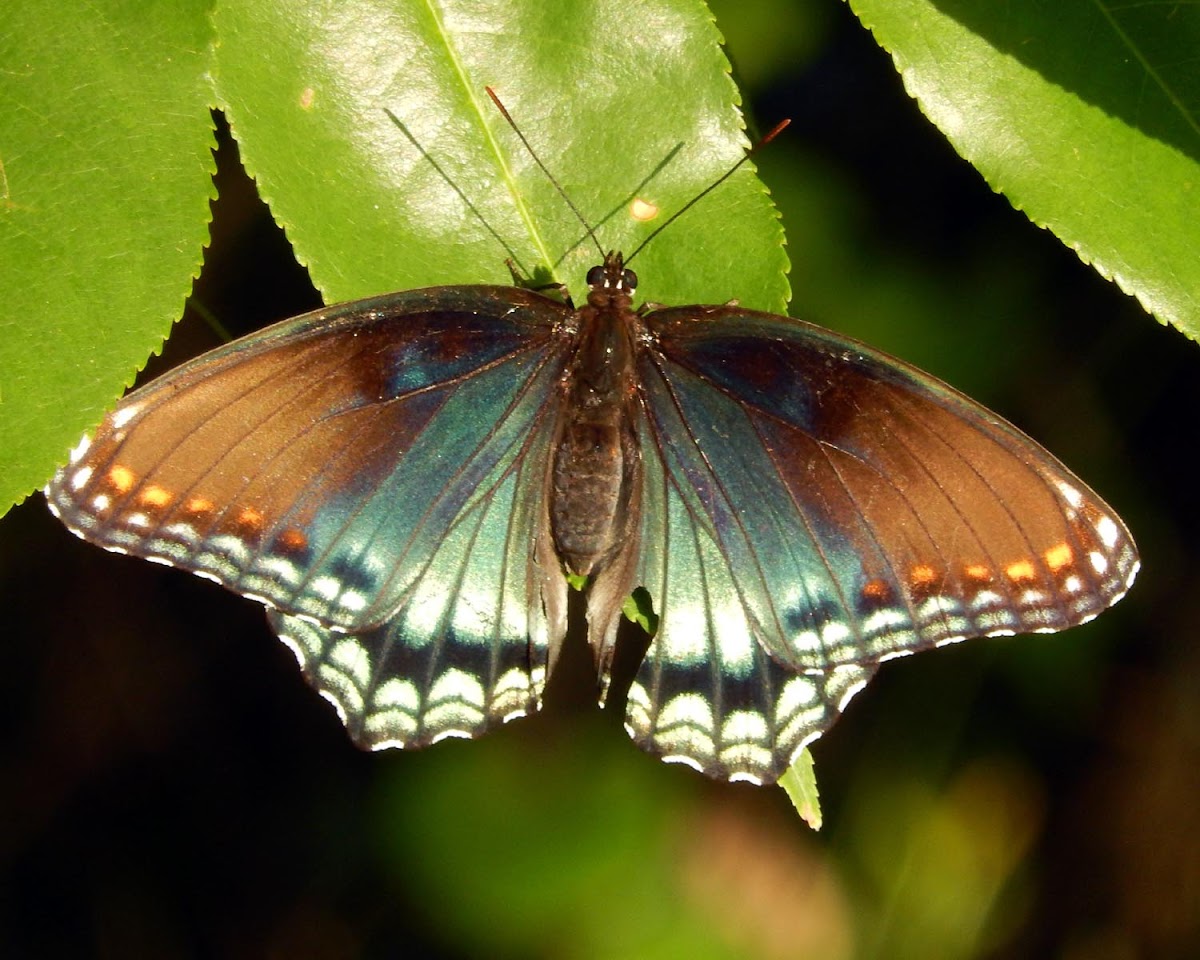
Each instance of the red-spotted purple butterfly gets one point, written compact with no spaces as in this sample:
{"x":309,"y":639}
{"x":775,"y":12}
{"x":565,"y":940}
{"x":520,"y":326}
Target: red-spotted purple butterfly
{"x":406,"y":482}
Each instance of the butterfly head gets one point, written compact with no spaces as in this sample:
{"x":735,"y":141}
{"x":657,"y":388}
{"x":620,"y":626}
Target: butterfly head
{"x":611,"y":282}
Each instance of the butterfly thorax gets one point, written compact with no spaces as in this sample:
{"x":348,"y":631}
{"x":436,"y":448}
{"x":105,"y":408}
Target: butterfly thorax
{"x":597,"y":462}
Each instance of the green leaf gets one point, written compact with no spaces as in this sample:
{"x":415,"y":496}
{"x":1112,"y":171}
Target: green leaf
{"x":105,"y":178}
{"x":799,"y":782}
{"x":639,"y":608}
{"x":618,"y":100}
{"x":631,"y":100}
{"x":1085,"y":115}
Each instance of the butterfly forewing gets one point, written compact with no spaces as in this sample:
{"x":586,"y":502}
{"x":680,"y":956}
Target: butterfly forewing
{"x":826,"y":508}
{"x":294,"y":466}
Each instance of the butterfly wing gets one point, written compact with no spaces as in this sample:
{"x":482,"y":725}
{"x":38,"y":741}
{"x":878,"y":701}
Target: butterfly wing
{"x":469,"y":646}
{"x":821,"y":508}
{"x":374,"y":472}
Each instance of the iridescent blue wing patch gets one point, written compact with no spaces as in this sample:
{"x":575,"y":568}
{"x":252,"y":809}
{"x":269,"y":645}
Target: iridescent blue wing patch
{"x":469,"y":646}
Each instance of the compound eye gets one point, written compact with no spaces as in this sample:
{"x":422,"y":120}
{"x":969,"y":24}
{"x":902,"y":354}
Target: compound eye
{"x":595,"y":276}
{"x":629,"y":280}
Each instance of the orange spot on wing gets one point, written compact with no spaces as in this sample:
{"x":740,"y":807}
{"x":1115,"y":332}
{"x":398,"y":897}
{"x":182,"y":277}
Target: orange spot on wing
{"x":156,"y":497}
{"x":292,"y":540}
{"x":978,"y":572}
{"x":922,"y":575}
{"x":198,"y":506}
{"x":1021,"y":570}
{"x":1059,"y":556}
{"x":877,"y":590}
{"x":121,"y":478}
{"x":249,"y":519}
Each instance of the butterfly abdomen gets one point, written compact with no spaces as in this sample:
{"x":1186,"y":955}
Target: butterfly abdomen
{"x":597,"y":460}
{"x":596,"y":468}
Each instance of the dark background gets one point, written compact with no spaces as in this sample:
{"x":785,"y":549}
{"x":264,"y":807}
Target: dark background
{"x":169,"y":787}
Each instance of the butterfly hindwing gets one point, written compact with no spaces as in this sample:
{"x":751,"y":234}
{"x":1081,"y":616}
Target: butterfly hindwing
{"x":825,"y":508}
{"x":708,"y":692}
{"x":469,"y":646}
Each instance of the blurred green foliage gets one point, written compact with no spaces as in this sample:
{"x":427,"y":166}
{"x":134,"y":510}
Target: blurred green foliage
{"x":173,"y":789}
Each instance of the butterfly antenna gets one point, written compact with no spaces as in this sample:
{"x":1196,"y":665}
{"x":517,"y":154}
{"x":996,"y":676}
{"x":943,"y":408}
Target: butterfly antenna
{"x":546,"y":170}
{"x":457,"y":189}
{"x":771,"y":135}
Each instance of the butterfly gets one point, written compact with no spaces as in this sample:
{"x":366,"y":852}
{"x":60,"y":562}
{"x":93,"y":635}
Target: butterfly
{"x":408,"y":482}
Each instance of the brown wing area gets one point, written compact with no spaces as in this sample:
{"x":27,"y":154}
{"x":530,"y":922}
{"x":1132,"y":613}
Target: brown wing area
{"x":307,"y":465}
{"x":964,"y":527}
